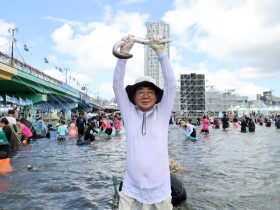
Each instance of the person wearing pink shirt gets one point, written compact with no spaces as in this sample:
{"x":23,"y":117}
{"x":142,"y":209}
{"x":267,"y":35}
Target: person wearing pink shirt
{"x":117,"y":125}
{"x":106,"y":126}
{"x":25,"y":132}
{"x":205,"y":125}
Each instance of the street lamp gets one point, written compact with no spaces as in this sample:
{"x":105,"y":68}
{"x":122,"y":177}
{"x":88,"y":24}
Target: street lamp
{"x":85,"y":87}
{"x":12,"y":31}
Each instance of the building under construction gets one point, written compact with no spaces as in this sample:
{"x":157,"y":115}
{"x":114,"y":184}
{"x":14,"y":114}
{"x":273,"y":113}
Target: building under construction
{"x":192,"y":94}
{"x":196,"y":100}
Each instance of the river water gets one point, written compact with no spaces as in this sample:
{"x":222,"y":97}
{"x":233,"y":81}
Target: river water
{"x":224,"y":170}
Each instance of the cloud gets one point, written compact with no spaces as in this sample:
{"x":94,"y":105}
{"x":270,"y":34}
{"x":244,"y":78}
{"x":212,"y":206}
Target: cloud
{"x":92,"y":51}
{"x":5,"y":36}
{"x":243,"y":31}
{"x":243,"y":35}
{"x":225,"y":79}
{"x":234,"y":43}
{"x":128,"y":2}
{"x":218,"y":29}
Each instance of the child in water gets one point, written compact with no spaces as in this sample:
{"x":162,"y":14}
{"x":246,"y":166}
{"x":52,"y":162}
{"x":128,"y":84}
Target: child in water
{"x":62,"y":131}
{"x":117,"y":125}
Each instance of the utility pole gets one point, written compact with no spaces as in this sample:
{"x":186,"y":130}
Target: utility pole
{"x":66,"y":70}
{"x":12,"y":31}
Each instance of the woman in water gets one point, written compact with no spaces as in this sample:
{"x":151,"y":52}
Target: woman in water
{"x":225,"y":122}
{"x":25,"y":132}
{"x":73,"y":130}
{"x":243,"y":125}
{"x":251,"y":125}
{"x":205,"y":125}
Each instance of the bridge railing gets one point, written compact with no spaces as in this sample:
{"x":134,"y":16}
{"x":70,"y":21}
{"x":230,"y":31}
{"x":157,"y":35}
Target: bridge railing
{"x":21,"y":66}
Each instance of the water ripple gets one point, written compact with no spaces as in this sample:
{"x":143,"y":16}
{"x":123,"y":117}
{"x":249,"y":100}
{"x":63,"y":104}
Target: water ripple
{"x":224,"y":170}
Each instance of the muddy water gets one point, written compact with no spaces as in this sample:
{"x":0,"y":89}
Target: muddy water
{"x":225,"y":170}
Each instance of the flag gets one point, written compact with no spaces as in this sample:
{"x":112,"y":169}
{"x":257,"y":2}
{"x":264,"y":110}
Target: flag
{"x":60,"y":69}
{"x":26,"y":48}
{"x":46,"y":60}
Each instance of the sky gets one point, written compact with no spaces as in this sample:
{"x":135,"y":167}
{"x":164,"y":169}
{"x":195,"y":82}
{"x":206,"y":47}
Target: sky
{"x":235,"y":43}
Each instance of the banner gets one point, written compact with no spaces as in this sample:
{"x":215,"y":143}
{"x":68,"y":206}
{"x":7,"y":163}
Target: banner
{"x":9,"y":99}
{"x":28,"y":102}
{"x":21,"y":102}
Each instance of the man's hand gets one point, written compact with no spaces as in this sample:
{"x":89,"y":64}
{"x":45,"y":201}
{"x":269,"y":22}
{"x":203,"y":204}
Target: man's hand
{"x":158,"y":48}
{"x":127,"y":47}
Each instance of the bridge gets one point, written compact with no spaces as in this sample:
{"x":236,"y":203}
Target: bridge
{"x":24,"y":86}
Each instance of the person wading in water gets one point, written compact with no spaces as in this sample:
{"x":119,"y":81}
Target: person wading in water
{"x":146,"y":110}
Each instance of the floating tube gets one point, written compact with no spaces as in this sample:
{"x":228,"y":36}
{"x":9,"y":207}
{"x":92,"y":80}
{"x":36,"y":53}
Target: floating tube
{"x":82,"y":143}
{"x":118,"y":133}
{"x":5,"y":166}
{"x":236,"y":125}
{"x":191,"y":138}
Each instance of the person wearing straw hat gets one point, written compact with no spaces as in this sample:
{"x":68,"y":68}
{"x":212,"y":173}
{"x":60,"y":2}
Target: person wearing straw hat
{"x":189,"y":129}
{"x":146,"y":110}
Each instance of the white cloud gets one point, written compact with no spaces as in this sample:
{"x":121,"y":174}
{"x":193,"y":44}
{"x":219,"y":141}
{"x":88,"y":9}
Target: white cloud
{"x":245,"y":31}
{"x":92,"y":51}
{"x":241,"y":33}
{"x":5,"y":36}
{"x":224,"y":79}
{"x":127,"y":2}
{"x":244,"y":34}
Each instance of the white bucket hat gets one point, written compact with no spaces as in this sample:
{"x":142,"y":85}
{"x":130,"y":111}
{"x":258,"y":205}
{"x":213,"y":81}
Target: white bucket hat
{"x":145,"y":81}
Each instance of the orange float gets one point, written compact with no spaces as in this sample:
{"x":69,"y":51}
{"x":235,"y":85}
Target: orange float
{"x":5,"y":166}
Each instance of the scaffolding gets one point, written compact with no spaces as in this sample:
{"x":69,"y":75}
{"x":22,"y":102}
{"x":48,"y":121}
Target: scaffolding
{"x":192,"y":94}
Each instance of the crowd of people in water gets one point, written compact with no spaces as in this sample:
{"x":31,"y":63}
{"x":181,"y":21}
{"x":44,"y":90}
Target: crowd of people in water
{"x":244,"y":123}
{"x":15,"y":133}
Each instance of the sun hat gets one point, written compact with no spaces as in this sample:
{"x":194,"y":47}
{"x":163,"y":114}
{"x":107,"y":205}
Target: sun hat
{"x":145,"y":81}
{"x":183,"y":123}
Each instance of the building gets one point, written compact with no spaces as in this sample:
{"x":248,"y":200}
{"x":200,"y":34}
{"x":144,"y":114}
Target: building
{"x":152,"y":67}
{"x":221,"y":101}
{"x":192,"y":94}
{"x":266,"y":98}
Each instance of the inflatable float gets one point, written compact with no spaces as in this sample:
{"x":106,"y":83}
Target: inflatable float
{"x":190,"y":138}
{"x":81,"y":142}
{"x":236,"y":125}
{"x":5,"y":166}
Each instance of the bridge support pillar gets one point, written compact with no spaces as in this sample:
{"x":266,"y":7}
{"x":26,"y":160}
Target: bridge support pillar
{"x":68,"y":114}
